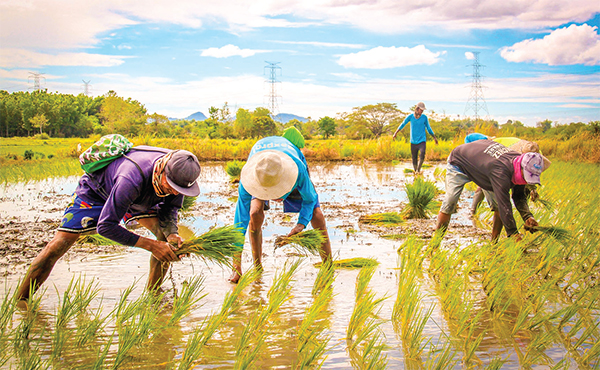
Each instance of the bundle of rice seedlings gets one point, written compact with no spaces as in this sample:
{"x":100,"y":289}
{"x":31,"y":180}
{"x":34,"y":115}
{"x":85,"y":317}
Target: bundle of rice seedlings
{"x":305,"y":241}
{"x":556,"y":232}
{"x":96,"y":239}
{"x":409,"y":170}
{"x":420,"y":199}
{"x":234,"y":169}
{"x":544,"y":203}
{"x":219,"y":245}
{"x":390,"y":218}
{"x":356,"y":262}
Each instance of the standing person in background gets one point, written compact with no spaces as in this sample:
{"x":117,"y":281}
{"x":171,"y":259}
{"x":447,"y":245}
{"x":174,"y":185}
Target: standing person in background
{"x":419,"y":124}
{"x":276,"y":170}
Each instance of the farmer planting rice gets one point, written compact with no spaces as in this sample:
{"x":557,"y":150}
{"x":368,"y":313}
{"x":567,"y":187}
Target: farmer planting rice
{"x":513,"y":143}
{"x":276,"y":170}
{"x":498,"y":170}
{"x":419,"y":126}
{"x":147,"y":185}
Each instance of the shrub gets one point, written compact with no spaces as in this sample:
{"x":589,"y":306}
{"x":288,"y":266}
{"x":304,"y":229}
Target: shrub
{"x":28,"y":154}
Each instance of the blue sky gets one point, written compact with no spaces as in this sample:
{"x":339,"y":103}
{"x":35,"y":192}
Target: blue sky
{"x":541,"y":58}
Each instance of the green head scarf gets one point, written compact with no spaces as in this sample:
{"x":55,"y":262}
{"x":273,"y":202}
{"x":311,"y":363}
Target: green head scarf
{"x":294,"y":136}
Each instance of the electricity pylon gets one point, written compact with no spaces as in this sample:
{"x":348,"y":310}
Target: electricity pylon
{"x":476,"y":101}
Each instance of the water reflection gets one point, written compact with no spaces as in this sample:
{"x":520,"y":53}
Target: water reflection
{"x":374,"y":187}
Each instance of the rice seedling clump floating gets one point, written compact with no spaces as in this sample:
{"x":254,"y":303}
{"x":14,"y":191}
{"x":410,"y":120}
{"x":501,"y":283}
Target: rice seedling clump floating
{"x":355,"y":263}
{"x":389,"y":218}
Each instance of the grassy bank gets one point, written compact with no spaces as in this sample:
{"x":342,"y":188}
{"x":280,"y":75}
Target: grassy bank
{"x":57,"y":157}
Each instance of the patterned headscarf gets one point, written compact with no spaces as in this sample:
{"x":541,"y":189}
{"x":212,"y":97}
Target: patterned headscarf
{"x":158,"y":172}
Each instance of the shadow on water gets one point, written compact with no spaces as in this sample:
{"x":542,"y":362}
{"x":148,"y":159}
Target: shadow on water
{"x":346,"y":191}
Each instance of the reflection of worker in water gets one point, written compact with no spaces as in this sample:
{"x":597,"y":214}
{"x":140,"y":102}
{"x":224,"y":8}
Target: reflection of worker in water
{"x":419,"y":126}
{"x":147,"y":186}
{"x":276,"y":170}
{"x":519,"y":145}
{"x":497,"y":169}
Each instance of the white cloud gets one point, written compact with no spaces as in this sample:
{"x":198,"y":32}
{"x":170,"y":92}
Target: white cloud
{"x":469,"y":55}
{"x":390,"y":57}
{"x":322,"y":44}
{"x":564,"y":46}
{"x":230,"y":51}
{"x":75,"y":23}
{"x":20,"y":58}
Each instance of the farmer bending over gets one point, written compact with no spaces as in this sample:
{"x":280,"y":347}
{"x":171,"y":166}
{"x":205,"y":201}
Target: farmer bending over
{"x":496,"y":169}
{"x":419,"y":124}
{"x":276,"y":170}
{"x":148,"y":186}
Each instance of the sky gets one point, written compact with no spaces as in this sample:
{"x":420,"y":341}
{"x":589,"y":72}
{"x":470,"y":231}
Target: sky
{"x":539,"y":59}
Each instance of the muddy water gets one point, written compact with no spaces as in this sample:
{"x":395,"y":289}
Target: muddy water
{"x":346,"y":191}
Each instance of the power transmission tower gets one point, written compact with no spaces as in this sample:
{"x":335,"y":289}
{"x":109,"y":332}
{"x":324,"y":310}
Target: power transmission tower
{"x":476,"y":101}
{"x":36,"y":80}
{"x":86,"y":87}
{"x":273,"y":97}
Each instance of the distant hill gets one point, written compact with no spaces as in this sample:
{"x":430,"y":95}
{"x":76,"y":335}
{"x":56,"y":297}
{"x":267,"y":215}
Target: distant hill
{"x":286,"y":117}
{"x":198,"y":116}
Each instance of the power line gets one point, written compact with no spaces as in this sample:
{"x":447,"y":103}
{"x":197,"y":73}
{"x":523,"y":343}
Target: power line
{"x":476,"y":102}
{"x":273,"y":97}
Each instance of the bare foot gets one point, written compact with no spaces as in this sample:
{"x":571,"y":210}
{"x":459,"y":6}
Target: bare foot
{"x":235,"y":277}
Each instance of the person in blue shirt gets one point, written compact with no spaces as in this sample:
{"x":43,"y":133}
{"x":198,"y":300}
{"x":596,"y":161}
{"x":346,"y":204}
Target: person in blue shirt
{"x":276,"y":170}
{"x":419,"y":123}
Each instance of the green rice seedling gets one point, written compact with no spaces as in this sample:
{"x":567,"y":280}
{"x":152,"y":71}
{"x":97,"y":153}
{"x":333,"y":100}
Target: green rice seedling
{"x":96,"y":239}
{"x":365,"y":342}
{"x":307,"y":241}
{"x":311,"y":343}
{"x":189,"y":296}
{"x":205,"y":331}
{"x":188,"y":203}
{"x":388,"y":218}
{"x":136,"y":323}
{"x":352,"y":263}
{"x":7,"y":310}
{"x":23,"y":330}
{"x":218,"y":245}
{"x":234,"y":170}
{"x":89,"y":328}
{"x":420,"y":199}
{"x":439,"y":173}
{"x":254,"y":334}
{"x":559,"y":233}
{"x":362,"y":321}
{"x":441,"y":358}
{"x":409,"y":170}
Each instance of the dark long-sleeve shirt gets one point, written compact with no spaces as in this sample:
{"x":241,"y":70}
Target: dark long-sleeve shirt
{"x":121,"y":188}
{"x":490,"y":165}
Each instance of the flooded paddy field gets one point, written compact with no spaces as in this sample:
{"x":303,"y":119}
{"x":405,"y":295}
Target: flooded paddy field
{"x":29,"y":214}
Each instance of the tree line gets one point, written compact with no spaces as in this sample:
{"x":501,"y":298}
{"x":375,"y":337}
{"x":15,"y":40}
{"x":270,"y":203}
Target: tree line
{"x":65,"y":115}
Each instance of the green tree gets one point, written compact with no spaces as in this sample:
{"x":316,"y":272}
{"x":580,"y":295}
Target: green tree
{"x":327,"y":126}
{"x":121,"y":116}
{"x":544,"y":125}
{"x":39,"y":120}
{"x":377,"y":118}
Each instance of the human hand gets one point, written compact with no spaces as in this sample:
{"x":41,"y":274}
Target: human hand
{"x":394,"y":136}
{"x":175,"y":240}
{"x":436,"y":141}
{"x":298,"y":228}
{"x":530,"y":223}
{"x":162,"y":251}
